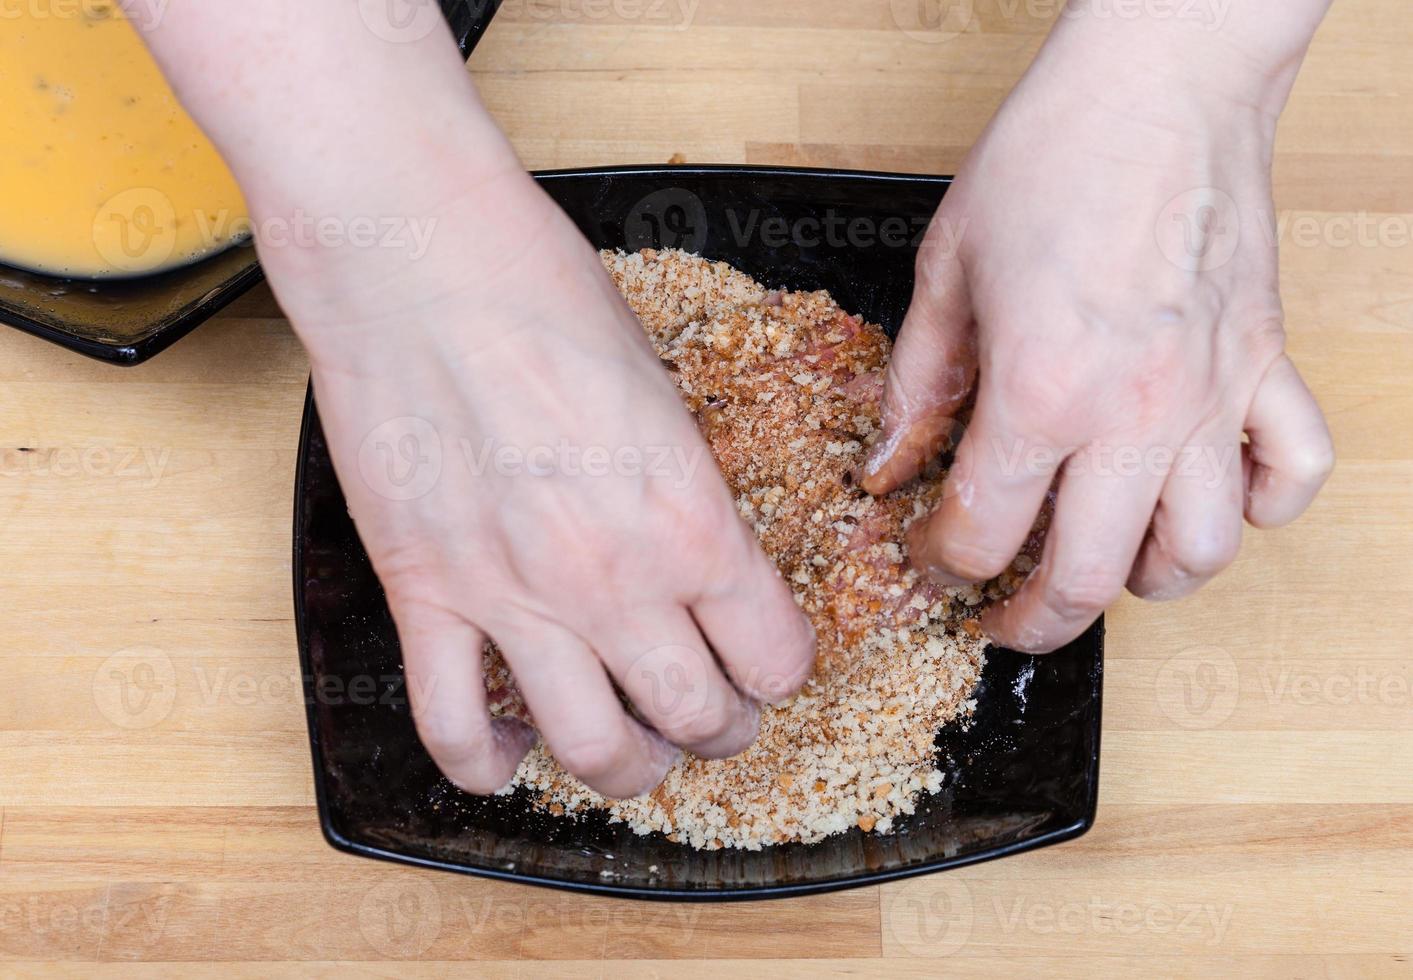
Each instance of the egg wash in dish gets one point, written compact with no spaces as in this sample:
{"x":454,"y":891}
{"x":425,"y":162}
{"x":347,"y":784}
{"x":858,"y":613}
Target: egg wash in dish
{"x":103,"y":174}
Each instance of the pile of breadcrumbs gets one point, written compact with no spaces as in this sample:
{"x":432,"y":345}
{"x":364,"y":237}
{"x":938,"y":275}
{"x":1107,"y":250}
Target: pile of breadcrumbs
{"x":786,"y":388}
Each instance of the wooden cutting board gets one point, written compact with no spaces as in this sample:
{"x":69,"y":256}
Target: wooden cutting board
{"x":1257,"y":803}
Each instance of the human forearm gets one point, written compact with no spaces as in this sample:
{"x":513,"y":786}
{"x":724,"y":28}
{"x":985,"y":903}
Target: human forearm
{"x":304,"y":98}
{"x":1243,"y":50}
{"x":331,"y":123}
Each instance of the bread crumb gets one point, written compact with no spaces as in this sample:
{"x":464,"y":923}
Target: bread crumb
{"x":898,"y":657}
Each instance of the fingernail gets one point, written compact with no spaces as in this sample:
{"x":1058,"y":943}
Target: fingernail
{"x":510,"y":735}
{"x":879,"y":454}
{"x":943,"y":577}
{"x":868,"y":475}
{"x":664,"y":755}
{"x":751,"y":722}
{"x":1027,"y":639}
{"x":776,"y":692}
{"x":915,"y":445}
{"x":988,"y":626}
{"x":514,"y":735}
{"x":918,"y":553}
{"x":778,"y":688}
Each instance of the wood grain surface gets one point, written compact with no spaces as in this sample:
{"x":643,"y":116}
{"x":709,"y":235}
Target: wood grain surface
{"x":1257,"y":788}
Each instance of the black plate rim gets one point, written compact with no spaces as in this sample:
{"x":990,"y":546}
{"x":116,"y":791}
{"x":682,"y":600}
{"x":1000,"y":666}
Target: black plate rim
{"x":163,"y":334}
{"x":339,"y":842}
{"x":760,"y":893}
{"x":344,"y":844}
{"x":744,"y":169}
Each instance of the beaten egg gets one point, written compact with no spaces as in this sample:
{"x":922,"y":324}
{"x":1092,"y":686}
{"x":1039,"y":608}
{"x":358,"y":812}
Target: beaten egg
{"x":102,"y":173}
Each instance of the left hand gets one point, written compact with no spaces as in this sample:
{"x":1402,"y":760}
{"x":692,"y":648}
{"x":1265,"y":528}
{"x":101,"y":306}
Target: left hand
{"x":1114,"y":301}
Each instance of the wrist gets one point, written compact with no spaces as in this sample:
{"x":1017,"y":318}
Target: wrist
{"x":473,"y":266}
{"x":1234,"y":52}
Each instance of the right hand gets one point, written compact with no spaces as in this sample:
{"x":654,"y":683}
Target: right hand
{"x":517,"y":342}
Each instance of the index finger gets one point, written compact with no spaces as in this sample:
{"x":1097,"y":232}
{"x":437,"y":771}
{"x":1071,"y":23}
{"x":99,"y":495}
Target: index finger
{"x":991,"y":497}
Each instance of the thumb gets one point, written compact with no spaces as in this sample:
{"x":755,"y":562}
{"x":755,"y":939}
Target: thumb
{"x":932,"y":369}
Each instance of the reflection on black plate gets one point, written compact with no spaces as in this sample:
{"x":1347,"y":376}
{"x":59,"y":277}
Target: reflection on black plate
{"x":126,"y":321}
{"x":1025,"y":774}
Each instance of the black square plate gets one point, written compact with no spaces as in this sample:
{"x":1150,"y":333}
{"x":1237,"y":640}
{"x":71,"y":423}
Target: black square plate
{"x":1025,"y":774}
{"x":126,"y":321}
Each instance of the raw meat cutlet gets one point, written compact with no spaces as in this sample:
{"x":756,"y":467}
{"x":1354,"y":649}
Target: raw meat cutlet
{"x":786,"y":389}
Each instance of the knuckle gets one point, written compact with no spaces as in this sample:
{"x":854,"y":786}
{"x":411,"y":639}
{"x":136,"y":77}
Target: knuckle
{"x":593,"y":757}
{"x":777,"y":685}
{"x":705,"y":519}
{"x":935,"y":250}
{"x":1081,"y":593}
{"x":405,"y":573}
{"x":1266,"y":339}
{"x":458,"y":744}
{"x":1049,"y":394}
{"x":695,"y":726}
{"x":1314,"y":462}
{"x":795,"y":667}
{"x":677,"y":522}
{"x":971,"y":560}
{"x":732,"y":569}
{"x":1176,"y":301}
{"x":774,"y":669}
{"x":1204,"y":553}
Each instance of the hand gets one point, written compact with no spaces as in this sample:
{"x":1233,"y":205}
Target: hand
{"x":1114,"y":305}
{"x":577,"y":517}
{"x":472,"y":325}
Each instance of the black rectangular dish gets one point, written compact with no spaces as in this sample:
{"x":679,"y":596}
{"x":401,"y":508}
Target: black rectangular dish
{"x":1023,"y":775}
{"x":126,"y":321}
